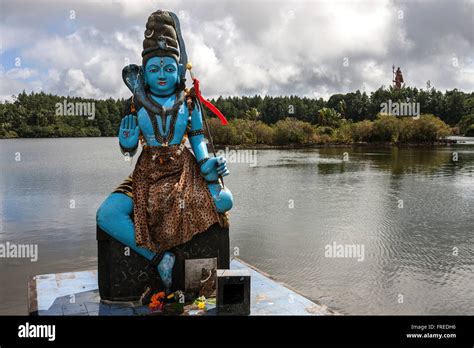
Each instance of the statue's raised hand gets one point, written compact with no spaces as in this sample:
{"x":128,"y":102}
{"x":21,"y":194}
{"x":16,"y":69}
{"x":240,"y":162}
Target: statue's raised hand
{"x":129,"y":132}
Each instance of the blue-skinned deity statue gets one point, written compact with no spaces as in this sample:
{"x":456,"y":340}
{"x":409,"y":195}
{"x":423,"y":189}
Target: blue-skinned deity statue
{"x":175,"y":190}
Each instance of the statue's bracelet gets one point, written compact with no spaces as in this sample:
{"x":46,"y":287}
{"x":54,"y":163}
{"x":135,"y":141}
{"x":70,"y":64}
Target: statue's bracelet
{"x":201,"y":162}
{"x":196,"y":132}
{"x":126,"y":149}
{"x":157,"y":259}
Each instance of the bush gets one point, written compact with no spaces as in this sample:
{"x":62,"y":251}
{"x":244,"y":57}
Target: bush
{"x":89,"y":132}
{"x":386,"y":128}
{"x":65,"y":130}
{"x":224,"y":135}
{"x":321,"y":139}
{"x":324,"y":130}
{"x":429,"y":128}
{"x":7,"y":134}
{"x":293,"y":131}
{"x":406,"y":128}
{"x":362,"y":131}
{"x":343,"y":134}
{"x":263,"y":133}
{"x":244,"y":130}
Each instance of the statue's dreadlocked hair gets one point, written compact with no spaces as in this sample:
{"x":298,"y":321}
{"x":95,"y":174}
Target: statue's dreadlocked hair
{"x":160,"y":37}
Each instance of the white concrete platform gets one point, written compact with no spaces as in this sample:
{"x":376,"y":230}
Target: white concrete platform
{"x":77,"y":293}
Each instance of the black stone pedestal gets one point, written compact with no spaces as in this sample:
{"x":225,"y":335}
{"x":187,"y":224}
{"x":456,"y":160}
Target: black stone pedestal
{"x":124,"y":275}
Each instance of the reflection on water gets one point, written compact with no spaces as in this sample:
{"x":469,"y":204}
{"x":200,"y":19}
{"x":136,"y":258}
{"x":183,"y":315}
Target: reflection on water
{"x":411,"y":209}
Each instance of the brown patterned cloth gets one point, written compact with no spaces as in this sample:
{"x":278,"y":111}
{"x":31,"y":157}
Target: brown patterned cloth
{"x":171,"y":201}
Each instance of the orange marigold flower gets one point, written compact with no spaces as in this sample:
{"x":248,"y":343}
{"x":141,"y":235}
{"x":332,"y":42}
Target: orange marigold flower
{"x":157,"y":297}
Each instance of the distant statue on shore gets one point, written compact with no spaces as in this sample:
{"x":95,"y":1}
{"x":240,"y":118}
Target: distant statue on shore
{"x":172,"y":194}
{"x":398,"y":79}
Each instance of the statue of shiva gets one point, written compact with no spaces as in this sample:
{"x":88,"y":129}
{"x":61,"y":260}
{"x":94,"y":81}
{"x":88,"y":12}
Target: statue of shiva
{"x":172,"y":193}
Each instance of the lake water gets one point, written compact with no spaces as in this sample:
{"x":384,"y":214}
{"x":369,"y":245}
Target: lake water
{"x":410,"y":209}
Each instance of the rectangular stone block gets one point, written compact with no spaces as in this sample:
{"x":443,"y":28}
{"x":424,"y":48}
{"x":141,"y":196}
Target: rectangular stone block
{"x":233,"y":292}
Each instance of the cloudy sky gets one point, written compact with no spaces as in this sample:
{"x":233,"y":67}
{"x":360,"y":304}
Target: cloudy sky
{"x":241,"y":47}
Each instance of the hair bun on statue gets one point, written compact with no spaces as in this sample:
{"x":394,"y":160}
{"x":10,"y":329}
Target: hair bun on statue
{"x":161,"y":38}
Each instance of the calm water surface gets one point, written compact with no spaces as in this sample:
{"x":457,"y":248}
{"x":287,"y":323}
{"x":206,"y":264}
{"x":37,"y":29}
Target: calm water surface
{"x":411,"y":209}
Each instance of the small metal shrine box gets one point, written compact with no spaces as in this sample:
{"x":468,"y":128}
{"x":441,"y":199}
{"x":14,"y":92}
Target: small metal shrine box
{"x":233,"y":292}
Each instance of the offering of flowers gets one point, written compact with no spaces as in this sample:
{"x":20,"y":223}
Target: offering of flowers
{"x":200,"y":302}
{"x":157,"y":302}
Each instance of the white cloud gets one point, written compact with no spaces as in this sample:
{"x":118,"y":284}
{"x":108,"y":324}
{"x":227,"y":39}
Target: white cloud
{"x":243,"y":47}
{"x":77,"y":84}
{"x":9,"y":84}
{"x":21,"y":73}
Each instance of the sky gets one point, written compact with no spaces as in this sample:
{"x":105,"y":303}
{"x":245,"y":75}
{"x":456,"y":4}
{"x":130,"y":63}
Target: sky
{"x":306,"y":48}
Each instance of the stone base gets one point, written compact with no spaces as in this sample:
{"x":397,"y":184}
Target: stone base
{"x":124,"y":275}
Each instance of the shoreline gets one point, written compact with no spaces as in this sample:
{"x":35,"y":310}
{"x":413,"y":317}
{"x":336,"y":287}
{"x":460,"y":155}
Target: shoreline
{"x":295,"y":146}
{"x":333,"y":145}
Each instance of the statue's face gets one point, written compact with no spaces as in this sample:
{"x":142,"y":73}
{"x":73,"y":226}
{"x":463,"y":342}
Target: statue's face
{"x":161,"y":75}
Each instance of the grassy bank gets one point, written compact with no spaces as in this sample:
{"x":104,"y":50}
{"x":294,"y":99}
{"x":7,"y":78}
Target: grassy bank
{"x":289,"y":132}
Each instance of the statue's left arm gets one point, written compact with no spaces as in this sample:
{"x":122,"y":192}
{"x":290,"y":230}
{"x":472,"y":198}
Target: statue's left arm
{"x":211,"y":168}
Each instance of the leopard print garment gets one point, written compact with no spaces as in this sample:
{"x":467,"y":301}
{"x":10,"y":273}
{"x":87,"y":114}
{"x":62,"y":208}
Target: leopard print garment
{"x":171,"y":201}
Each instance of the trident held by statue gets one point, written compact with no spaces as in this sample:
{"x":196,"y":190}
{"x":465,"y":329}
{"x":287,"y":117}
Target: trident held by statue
{"x":201,"y":100}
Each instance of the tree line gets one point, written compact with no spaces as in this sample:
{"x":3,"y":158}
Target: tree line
{"x":349,"y":117}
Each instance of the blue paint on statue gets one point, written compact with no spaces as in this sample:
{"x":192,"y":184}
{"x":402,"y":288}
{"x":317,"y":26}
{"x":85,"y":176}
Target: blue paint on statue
{"x":161,"y":78}
{"x":161,"y":75}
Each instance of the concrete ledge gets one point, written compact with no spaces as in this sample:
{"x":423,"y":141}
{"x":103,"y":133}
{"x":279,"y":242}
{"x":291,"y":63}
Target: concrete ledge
{"x":77,"y":293}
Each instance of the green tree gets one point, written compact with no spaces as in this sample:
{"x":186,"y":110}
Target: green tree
{"x":466,"y":125}
{"x":329,"y":117}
